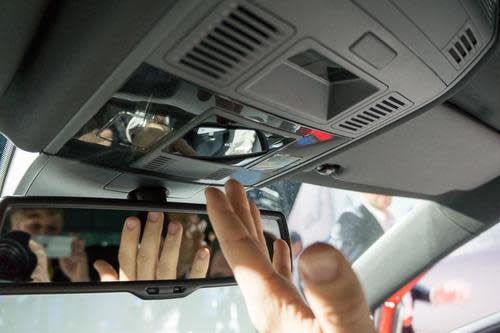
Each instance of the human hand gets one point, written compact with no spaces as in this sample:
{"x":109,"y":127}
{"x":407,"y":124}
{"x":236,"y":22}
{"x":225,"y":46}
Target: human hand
{"x":146,"y":136}
{"x":76,"y":267}
{"x":192,"y":239}
{"x":146,"y":259}
{"x":41,"y":272}
{"x":104,"y":138}
{"x":181,"y":146}
{"x":450,"y":292}
{"x":336,"y":301}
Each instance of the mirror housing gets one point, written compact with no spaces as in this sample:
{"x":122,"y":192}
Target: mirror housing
{"x":153,"y":289}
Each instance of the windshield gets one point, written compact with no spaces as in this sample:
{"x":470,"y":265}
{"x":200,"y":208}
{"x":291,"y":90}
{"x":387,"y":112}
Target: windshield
{"x":206,"y":310}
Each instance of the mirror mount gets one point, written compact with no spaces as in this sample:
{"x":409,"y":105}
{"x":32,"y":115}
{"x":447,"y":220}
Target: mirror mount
{"x":156,"y":195}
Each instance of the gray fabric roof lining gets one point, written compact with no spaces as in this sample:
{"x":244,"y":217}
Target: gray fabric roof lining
{"x":480,"y":96}
{"x":440,"y":151}
{"x":19,"y":21}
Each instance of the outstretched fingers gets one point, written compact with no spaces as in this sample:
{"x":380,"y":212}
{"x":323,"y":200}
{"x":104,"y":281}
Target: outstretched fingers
{"x":258,"y":228}
{"x":199,"y":268}
{"x":240,"y":249}
{"x":147,"y":255}
{"x":167,"y":266}
{"x":281,"y":259}
{"x":237,"y":197}
{"x":127,"y":253}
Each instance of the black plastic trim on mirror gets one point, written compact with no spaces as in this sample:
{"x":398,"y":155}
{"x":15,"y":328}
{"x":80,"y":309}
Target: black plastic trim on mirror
{"x":147,"y":290}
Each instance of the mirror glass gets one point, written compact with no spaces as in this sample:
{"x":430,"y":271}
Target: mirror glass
{"x":51,"y":244}
{"x":213,"y":141}
{"x":226,"y":141}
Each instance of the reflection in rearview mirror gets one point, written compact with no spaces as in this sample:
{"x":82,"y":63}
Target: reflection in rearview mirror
{"x":213,"y":141}
{"x":41,"y":244}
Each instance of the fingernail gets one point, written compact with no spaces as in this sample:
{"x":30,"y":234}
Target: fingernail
{"x":131,"y":224}
{"x":173,"y":228}
{"x":153,"y":216}
{"x":203,"y":253}
{"x":319,"y":266}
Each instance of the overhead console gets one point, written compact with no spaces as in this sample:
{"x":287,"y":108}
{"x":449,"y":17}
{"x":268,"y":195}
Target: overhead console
{"x":346,"y":67}
{"x":308,"y":77}
{"x":161,"y":125}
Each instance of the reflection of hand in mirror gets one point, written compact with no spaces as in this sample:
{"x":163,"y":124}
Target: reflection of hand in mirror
{"x":76,"y":266}
{"x":41,"y":272}
{"x":146,"y":136}
{"x":182,"y":147}
{"x":192,"y":239}
{"x":104,"y":138}
{"x":151,"y":258}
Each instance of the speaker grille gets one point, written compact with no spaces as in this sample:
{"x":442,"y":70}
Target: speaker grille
{"x":489,"y":8}
{"x":157,"y":163}
{"x":463,"y":47}
{"x":388,"y":107}
{"x":238,"y":37}
{"x":219,"y":174}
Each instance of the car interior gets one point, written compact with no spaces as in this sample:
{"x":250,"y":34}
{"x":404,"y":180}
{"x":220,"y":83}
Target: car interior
{"x":397,"y":97}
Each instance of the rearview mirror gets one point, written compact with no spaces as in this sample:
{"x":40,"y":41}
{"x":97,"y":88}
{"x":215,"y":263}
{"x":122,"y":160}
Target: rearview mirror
{"x":217,"y":142}
{"x":54,"y":245}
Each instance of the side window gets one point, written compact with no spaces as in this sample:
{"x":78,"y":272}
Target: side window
{"x":351,"y":221}
{"x":6,"y":152}
{"x":460,"y":289}
{"x":13,"y":165}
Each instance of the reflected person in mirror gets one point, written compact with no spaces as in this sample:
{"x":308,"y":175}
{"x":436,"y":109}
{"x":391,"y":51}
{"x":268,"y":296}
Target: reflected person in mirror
{"x":50,"y":222}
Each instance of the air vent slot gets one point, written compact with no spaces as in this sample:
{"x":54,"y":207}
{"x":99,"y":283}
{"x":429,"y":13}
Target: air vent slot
{"x":233,"y":39}
{"x":386,"y":108}
{"x":157,"y":163}
{"x":227,"y":104}
{"x":463,"y":47}
{"x":490,"y":8}
{"x":219,"y":174}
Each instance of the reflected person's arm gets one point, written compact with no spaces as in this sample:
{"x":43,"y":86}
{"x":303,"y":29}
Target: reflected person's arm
{"x":76,"y":267}
{"x":41,"y":272}
{"x":146,"y":258}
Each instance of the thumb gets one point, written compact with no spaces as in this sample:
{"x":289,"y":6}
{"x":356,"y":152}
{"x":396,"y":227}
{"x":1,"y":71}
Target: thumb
{"x":106,"y":272}
{"x":333,"y":291}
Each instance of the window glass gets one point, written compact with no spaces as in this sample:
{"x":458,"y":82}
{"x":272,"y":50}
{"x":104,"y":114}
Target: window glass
{"x":351,"y":221}
{"x":206,"y":310}
{"x":13,"y":165}
{"x":460,"y":289}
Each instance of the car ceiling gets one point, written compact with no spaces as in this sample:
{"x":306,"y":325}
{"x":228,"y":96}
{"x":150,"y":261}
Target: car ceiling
{"x":68,"y":58}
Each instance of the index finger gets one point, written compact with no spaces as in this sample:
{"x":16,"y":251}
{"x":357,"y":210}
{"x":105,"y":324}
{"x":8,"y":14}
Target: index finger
{"x":147,"y":255}
{"x":127,"y":252}
{"x":241,"y":251}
